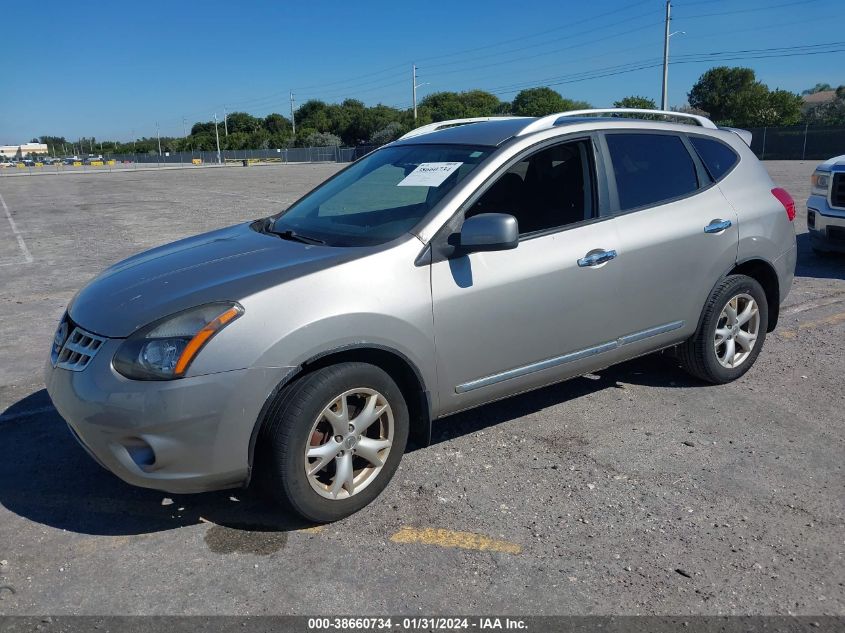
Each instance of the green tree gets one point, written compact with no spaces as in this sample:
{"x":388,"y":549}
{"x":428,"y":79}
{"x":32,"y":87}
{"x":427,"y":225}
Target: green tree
{"x":542,"y":101}
{"x":733,"y":96}
{"x":636,"y":101}
{"x":243,"y":122}
{"x":718,"y":90}
{"x":441,"y":106}
{"x":389,"y":133}
{"x":322,"y":139}
{"x":277,"y":124}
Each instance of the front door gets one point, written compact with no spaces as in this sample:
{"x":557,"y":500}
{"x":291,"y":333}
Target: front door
{"x":508,"y":321}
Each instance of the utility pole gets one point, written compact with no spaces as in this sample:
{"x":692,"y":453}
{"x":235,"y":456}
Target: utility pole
{"x":158,"y":135}
{"x":217,"y":136}
{"x":293,"y":117}
{"x":414,"y":87}
{"x":226,"y":122}
{"x":664,"y":102}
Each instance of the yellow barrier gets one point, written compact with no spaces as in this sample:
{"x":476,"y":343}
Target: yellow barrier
{"x":96,"y":163}
{"x":20,"y":166}
{"x":109,"y":162}
{"x":77,"y":163}
{"x":196,"y":161}
{"x":39,"y":164}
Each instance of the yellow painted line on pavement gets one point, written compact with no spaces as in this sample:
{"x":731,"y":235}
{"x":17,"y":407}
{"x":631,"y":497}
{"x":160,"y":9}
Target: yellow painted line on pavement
{"x":449,"y":538}
{"x":316,"y":529}
{"x":833,"y":319}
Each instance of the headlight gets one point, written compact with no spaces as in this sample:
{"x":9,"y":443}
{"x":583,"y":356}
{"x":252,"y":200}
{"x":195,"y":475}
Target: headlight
{"x":820,"y":183}
{"x":165,"y":349}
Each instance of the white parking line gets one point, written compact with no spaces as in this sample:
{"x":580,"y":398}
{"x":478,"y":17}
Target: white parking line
{"x":26,"y":254}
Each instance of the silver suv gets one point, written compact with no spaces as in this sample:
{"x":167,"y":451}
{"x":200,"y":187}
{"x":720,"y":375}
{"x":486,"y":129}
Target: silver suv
{"x":466,"y":262}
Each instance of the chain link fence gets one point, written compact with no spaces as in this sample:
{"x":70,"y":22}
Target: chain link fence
{"x":800,"y":142}
{"x":121,"y":162}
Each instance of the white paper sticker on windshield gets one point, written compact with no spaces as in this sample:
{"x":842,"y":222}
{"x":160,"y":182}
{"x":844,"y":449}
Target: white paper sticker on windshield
{"x":429,"y":175}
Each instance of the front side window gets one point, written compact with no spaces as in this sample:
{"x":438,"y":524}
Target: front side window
{"x":549,"y":189}
{"x":380,"y":197}
{"x":650,"y":168}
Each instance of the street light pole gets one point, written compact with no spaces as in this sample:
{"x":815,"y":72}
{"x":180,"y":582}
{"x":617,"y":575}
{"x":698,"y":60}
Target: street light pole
{"x":158,"y":135}
{"x":414,"y":87}
{"x":664,"y":101}
{"x":293,"y":116}
{"x":217,"y":136}
{"x":225,"y":122}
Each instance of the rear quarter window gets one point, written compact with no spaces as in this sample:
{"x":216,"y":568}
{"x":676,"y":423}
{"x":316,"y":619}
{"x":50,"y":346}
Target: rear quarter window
{"x":650,"y":168}
{"x":717,"y":157}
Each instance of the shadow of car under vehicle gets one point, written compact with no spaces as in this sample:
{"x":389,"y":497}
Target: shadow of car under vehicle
{"x":818,"y":265}
{"x":46,"y":477}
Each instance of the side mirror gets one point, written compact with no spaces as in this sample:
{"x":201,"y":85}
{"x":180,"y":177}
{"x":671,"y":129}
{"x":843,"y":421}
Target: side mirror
{"x":489,"y":232}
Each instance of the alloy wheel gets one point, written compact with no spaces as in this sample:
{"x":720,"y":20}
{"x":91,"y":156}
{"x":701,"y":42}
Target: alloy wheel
{"x":737,"y":330}
{"x":349,"y":443}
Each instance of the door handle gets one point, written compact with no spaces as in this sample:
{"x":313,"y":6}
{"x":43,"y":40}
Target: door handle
{"x":717,"y":226}
{"x":597,"y":258}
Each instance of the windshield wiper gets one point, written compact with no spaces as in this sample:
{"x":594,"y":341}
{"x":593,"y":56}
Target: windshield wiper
{"x":293,"y":236}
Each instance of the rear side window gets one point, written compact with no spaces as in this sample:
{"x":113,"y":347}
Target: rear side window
{"x":717,"y":157}
{"x":650,"y":168}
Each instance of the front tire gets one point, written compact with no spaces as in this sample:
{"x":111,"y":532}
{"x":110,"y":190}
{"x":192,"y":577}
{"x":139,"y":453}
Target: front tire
{"x":731,"y":333}
{"x":332,"y":440}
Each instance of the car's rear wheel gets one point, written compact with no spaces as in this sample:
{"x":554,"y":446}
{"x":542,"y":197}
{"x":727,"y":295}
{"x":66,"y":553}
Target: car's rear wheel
{"x":731,"y":333}
{"x":332,"y":440}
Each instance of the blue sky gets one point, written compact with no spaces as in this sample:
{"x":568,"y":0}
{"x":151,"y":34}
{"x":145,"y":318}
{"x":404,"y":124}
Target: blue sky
{"x":114,"y":69}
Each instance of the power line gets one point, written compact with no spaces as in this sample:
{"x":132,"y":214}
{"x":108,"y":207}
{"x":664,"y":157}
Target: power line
{"x":764,"y":8}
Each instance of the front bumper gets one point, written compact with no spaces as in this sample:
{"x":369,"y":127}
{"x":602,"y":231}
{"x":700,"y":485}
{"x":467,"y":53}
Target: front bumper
{"x":181,"y":436}
{"x":826,"y":225}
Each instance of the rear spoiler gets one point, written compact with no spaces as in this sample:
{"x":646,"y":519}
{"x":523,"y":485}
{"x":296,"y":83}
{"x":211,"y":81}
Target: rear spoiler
{"x":745,"y":135}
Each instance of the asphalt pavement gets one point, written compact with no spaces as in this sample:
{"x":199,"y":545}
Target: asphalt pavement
{"x":637,"y":490}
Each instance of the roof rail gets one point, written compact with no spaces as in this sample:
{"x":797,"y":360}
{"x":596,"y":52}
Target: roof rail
{"x":440,"y":125}
{"x":548,"y":122}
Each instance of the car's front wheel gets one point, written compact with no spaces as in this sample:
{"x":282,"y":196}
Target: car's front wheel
{"x":731,"y":333}
{"x":332,"y":440}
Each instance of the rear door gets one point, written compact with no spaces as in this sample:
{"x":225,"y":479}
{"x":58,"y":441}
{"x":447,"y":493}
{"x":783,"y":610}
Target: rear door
{"x":677,"y":235}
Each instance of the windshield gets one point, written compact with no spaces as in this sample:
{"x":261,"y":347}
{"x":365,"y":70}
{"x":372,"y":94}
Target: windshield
{"x":380,"y":197}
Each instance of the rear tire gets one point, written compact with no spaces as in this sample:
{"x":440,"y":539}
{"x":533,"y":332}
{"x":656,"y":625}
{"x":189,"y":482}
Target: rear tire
{"x":332,"y":440}
{"x":731,"y":333}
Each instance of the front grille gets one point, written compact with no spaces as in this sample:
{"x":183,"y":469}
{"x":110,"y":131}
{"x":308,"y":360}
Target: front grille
{"x":77,"y":350}
{"x":837,"y":191}
{"x":836,"y":233}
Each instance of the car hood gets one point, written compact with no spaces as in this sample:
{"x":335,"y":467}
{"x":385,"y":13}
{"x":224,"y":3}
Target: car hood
{"x":223,"y":265}
{"x":833,"y":164}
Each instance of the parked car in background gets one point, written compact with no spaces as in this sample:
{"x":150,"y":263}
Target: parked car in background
{"x":466,"y":262}
{"x":826,"y":206}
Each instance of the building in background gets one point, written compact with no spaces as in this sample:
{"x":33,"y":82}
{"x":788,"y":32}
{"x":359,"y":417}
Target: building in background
{"x":817,"y":98}
{"x":24,"y":149}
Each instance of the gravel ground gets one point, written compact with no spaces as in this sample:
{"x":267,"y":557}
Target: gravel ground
{"x":636,"y":490}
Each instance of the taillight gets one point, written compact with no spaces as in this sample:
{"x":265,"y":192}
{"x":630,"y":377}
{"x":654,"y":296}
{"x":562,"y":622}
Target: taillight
{"x":786,"y":200}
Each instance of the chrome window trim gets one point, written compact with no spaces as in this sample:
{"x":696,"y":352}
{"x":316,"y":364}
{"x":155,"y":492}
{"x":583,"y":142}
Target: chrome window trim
{"x":549,"y":363}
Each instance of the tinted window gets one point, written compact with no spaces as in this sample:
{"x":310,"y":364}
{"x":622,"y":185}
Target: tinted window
{"x":650,"y":168}
{"x":717,"y":157}
{"x":546,"y":190}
